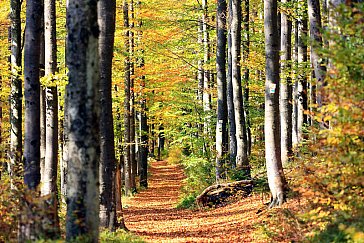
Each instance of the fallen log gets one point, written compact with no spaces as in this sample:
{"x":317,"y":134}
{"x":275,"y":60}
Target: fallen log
{"x":221,"y":194}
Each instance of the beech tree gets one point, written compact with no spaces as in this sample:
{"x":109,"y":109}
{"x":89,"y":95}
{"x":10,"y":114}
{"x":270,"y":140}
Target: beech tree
{"x":83,"y":121}
{"x":16,"y":86}
{"x":49,"y":175}
{"x":285,"y":102}
{"x":221,"y":126}
{"x":106,"y":20}
{"x":276,"y":179}
{"x":242,"y":160}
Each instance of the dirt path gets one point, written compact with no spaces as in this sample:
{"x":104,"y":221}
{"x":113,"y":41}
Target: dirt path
{"x":152,"y":215}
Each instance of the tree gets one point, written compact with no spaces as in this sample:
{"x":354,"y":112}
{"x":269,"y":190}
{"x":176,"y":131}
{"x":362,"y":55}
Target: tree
{"x":143,"y":123}
{"x":272,"y":125}
{"x":221,"y":126}
{"x":127,"y":141}
{"x":16,"y":86}
{"x":242,"y":160}
{"x":49,"y":176}
{"x":83,"y":121}
{"x":106,"y":20}
{"x":28,"y":227}
{"x":314,"y":15}
{"x":230,"y":96}
{"x":285,"y":102}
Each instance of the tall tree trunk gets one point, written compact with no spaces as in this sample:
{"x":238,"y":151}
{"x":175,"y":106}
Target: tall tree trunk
{"x":295,"y":89}
{"x":64,"y":160}
{"x":127,"y":162}
{"x":314,"y":15}
{"x":221,"y":126}
{"x":16,"y":89}
{"x":230,"y":96}
{"x":49,"y":176}
{"x":143,"y":154}
{"x":200,"y":71}
{"x":272,"y":125}
{"x":206,"y":80}
{"x":285,"y":103}
{"x":29,"y":228}
{"x":106,"y":20}
{"x":242,"y":160}
{"x":83,"y":121}
{"x":133,"y":161}
{"x":246,"y":51}
{"x":302,"y":66}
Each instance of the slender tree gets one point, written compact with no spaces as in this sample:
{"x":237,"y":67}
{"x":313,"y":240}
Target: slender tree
{"x":230,"y":96}
{"x":314,"y":15}
{"x":221,"y":127}
{"x":272,"y":125}
{"x":133,"y":161}
{"x":83,"y":121}
{"x":242,"y":160}
{"x":127,"y":162}
{"x":49,"y":176}
{"x":16,"y":87}
{"x":285,"y":102}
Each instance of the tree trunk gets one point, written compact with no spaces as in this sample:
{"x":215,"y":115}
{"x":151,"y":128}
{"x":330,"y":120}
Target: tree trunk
{"x":106,"y":20}
{"x":133,"y":161}
{"x":242,"y":160}
{"x":127,"y":162}
{"x":230,"y":97}
{"x":285,"y":104}
{"x":221,"y":125}
{"x":29,"y":228}
{"x":143,"y":154}
{"x":302,"y":77}
{"x":49,"y":176}
{"x":314,"y":15}
{"x":16,"y":89}
{"x":272,"y":125}
{"x":206,"y":80}
{"x":83,"y":121}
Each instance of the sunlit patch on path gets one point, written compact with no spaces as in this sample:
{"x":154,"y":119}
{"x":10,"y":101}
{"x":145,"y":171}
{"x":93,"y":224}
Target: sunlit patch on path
{"x":152,"y":213}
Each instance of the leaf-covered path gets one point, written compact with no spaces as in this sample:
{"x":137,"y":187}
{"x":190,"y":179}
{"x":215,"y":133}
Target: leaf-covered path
{"x":152,"y":213}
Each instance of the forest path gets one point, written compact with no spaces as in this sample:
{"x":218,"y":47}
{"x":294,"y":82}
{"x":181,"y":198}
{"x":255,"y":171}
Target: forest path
{"x":152,"y":213}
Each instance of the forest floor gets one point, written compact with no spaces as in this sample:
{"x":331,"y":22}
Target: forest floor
{"x":152,"y":214}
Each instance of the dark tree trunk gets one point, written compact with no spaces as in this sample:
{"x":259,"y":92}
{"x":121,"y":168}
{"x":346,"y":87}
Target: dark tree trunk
{"x":106,"y":20}
{"x":29,"y":228}
{"x":221,"y":125}
{"x":83,"y":121}
{"x":127,"y":162}
{"x":272,"y":125}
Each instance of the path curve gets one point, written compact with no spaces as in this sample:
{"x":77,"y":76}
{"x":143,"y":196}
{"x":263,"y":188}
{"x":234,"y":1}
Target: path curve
{"x":152,"y":213}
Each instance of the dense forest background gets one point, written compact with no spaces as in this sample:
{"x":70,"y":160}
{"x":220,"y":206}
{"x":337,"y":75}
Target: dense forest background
{"x":264,"y":94}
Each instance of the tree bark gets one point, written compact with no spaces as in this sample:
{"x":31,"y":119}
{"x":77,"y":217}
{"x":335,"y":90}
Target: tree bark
{"x":285,"y":104}
{"x":127,"y":162}
{"x":272,"y":125}
{"x":106,"y":20}
{"x":83,"y":121}
{"x":49,"y":176}
{"x":242,"y":160}
{"x":16,"y":89}
{"x":221,"y":125}
{"x":230,"y":97}
{"x":133,"y":161}
{"x":314,"y":15}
